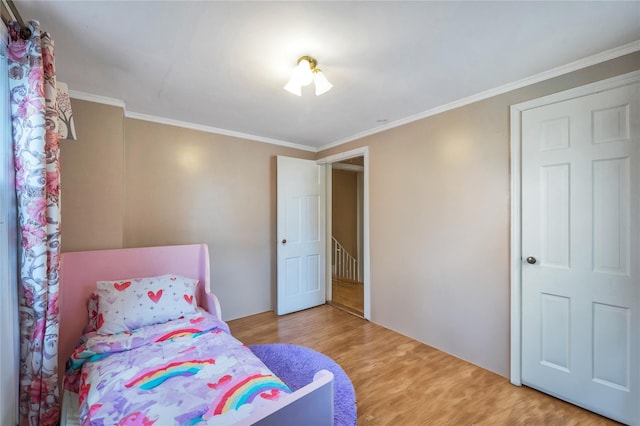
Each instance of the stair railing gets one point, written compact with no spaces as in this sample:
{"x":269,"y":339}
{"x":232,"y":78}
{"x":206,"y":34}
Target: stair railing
{"x":344,"y":264}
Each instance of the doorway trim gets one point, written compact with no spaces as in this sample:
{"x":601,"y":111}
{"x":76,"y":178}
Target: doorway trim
{"x":357,"y":152}
{"x":516,"y":201}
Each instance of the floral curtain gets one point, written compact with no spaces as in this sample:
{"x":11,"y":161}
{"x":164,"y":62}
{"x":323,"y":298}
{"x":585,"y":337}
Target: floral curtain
{"x":32,"y":86}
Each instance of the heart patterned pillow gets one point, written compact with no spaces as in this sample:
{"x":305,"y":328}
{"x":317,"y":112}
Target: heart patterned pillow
{"x":129,"y":304}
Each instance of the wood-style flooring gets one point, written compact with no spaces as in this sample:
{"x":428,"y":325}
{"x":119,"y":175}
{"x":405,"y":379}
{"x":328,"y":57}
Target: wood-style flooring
{"x":399,"y":381}
{"x":348,"y":295}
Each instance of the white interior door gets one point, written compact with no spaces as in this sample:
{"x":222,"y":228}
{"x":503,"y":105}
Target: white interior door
{"x":581,"y":251}
{"x":301,"y":235}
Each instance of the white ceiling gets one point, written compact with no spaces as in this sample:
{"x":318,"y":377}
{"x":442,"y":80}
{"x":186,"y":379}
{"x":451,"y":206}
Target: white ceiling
{"x":222,"y":65}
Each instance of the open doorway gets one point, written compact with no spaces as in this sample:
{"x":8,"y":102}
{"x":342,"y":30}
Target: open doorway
{"x":360,"y":162}
{"x":347,"y":278}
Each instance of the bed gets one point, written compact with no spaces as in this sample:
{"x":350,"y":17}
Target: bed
{"x":184,"y":370}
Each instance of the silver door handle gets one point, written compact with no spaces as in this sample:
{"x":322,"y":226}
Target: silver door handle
{"x":531,"y":260}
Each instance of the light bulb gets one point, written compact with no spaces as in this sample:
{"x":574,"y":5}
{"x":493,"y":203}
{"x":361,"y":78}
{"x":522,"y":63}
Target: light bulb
{"x":303,"y":73}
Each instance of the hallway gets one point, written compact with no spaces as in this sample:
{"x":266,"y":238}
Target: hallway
{"x":348,"y":295}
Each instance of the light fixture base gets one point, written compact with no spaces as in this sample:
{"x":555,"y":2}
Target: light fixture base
{"x":312,"y":62}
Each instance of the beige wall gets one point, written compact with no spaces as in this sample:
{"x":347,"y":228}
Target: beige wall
{"x":129,"y":183}
{"x":344,"y":209}
{"x":91,"y":172}
{"x":186,"y":186}
{"x":439,"y":222}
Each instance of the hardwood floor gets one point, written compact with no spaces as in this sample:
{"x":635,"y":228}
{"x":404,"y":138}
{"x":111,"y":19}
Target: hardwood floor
{"x":348,"y":295}
{"x":399,"y":381}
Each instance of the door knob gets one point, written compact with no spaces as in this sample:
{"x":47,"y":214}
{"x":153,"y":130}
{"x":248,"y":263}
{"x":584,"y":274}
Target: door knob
{"x":284,"y":241}
{"x":531,"y":260}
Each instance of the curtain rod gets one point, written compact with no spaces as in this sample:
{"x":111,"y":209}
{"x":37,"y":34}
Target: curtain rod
{"x":9,"y":12}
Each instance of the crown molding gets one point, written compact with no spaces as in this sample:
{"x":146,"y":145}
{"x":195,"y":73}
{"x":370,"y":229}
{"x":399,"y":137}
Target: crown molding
{"x":96,"y":98}
{"x":545,"y":75}
{"x":185,"y":124}
{"x":216,"y":130}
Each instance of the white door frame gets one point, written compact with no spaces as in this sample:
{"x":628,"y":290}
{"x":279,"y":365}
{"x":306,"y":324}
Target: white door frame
{"x":357,"y":152}
{"x":516,"y":202}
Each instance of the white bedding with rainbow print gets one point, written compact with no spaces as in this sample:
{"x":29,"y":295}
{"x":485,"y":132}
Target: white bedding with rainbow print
{"x":182,"y":372}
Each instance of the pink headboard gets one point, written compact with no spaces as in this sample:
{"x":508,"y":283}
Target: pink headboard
{"x":80,"y":270}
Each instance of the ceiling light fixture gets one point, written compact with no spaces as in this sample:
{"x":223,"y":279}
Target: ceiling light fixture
{"x":306,"y":71}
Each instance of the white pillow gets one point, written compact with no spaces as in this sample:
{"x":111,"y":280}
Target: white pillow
{"x":126,"y":305}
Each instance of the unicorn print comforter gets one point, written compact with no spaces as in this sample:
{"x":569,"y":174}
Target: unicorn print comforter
{"x":183,"y":372}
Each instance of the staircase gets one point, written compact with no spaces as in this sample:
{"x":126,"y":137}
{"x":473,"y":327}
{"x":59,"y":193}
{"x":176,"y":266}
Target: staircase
{"x":344,"y":265}
{"x":348,"y":291}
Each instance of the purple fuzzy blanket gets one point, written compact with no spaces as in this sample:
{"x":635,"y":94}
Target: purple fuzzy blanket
{"x":296,"y":366}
